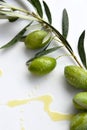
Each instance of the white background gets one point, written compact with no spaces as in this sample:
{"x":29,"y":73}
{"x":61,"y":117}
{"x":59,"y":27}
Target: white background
{"x":17,"y":83}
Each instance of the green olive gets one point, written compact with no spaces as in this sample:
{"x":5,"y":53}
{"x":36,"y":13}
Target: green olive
{"x":80,"y":101}
{"x":34,"y":40}
{"x":76,"y":76}
{"x":79,"y":122}
{"x":42,"y":65}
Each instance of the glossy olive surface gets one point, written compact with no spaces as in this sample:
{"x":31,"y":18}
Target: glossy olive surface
{"x":79,"y":122}
{"x":76,"y":76}
{"x":42,"y":65}
{"x":34,"y":40}
{"x":80,"y":100}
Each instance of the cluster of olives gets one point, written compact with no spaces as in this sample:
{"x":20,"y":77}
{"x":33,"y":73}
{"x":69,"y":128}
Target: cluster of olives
{"x":43,"y":64}
{"x":75,"y":75}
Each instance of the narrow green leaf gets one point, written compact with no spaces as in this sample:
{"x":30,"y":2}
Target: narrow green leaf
{"x":16,"y":38}
{"x":64,"y":41}
{"x":50,"y":50}
{"x":48,"y":13}
{"x":45,"y":47}
{"x":17,"y":14}
{"x":2,"y":0}
{"x":81,"y":50}
{"x":65,"y":23}
{"x":44,"y":52}
{"x":38,"y":7}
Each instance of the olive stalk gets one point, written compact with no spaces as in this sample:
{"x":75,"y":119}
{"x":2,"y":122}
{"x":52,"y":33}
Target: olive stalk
{"x":42,"y":22}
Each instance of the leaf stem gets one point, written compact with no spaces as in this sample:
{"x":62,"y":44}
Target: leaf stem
{"x":62,"y":56}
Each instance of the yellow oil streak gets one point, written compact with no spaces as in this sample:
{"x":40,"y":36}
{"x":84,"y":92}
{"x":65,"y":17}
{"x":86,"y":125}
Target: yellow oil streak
{"x":15,"y":103}
{"x":55,"y":116}
{"x":47,"y":100}
{"x":0,"y":73}
{"x":22,"y":123}
{"x":22,"y":128}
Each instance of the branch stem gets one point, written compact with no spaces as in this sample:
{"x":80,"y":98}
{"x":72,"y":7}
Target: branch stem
{"x":46,"y":24}
{"x":64,"y":42}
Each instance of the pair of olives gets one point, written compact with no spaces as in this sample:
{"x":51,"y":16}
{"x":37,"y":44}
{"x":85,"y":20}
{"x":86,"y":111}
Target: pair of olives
{"x":44,"y":64}
{"x":79,"y":121}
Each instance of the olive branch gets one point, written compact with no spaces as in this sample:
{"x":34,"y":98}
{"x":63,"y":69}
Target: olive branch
{"x":12,"y":13}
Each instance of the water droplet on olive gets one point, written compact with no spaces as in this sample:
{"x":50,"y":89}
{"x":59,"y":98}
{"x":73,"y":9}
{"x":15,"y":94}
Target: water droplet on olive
{"x":80,"y":101}
{"x":34,"y":40}
{"x":79,"y":122}
{"x":42,"y":65}
{"x":76,"y":76}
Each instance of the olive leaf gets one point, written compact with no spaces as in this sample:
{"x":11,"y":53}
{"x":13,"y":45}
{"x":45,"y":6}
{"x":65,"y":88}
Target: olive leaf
{"x":17,"y":14}
{"x":47,"y":38}
{"x":16,"y":38}
{"x":59,"y":35}
{"x":44,"y":52}
{"x":38,"y":7}
{"x":36,"y":55}
{"x":47,"y":45}
{"x":48,"y":13}
{"x":81,"y":50}
{"x":65,"y":23}
{"x":2,"y":0}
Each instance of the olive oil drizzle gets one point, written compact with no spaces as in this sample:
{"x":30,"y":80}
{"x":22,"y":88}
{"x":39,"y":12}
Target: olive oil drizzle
{"x":22,"y":128}
{"x":0,"y":72}
{"x":47,"y":100}
{"x":22,"y":121}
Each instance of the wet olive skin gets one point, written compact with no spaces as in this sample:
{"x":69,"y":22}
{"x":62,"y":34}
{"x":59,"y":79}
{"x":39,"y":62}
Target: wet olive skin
{"x":80,"y":101}
{"x":79,"y":122}
{"x":34,"y":40}
{"x":76,"y":76}
{"x":42,"y":65}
